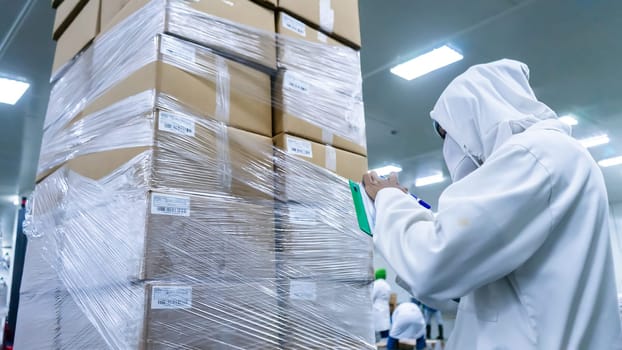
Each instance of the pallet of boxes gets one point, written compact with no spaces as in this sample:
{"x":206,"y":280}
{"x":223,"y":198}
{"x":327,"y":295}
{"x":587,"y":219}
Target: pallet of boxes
{"x":192,"y":186}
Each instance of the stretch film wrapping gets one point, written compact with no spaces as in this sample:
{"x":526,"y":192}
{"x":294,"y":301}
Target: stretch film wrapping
{"x":165,"y":219}
{"x":323,"y":84}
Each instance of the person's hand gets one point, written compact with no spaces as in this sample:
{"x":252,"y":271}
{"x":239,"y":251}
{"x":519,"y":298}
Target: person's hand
{"x":374,"y":183}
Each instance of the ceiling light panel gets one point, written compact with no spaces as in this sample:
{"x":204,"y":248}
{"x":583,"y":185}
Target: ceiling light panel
{"x":426,"y":63}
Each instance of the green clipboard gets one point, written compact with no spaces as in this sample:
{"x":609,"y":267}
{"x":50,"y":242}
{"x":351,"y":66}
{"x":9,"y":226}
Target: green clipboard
{"x":359,"y":207}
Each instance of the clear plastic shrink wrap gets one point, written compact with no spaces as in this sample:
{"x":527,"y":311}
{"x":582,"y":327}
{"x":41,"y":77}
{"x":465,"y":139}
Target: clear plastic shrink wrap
{"x":165,"y":218}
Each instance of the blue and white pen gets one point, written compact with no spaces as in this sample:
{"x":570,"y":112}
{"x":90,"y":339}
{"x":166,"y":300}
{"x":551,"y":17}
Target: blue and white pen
{"x":421,"y":202}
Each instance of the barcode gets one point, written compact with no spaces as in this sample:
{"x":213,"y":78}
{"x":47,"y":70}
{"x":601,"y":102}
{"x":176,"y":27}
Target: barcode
{"x":173,"y":302}
{"x":298,"y":86}
{"x":179,"y":128}
{"x":170,"y":210}
{"x":301,"y":151}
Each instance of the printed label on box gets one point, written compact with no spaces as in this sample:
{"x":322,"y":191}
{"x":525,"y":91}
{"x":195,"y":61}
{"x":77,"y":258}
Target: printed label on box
{"x":299,"y":147}
{"x":302,"y":290}
{"x":164,"y":204}
{"x":331,"y":158}
{"x":291,"y":82}
{"x":176,"y":124}
{"x":293,"y":24}
{"x":183,"y":52}
{"x":168,"y":297}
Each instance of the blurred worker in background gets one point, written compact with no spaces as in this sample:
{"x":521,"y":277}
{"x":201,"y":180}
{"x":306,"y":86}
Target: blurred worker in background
{"x":521,"y":236}
{"x":380,"y":295}
{"x":429,"y":314}
{"x":408,"y":323}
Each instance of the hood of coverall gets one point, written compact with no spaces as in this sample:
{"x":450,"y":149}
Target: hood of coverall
{"x":483,"y":107}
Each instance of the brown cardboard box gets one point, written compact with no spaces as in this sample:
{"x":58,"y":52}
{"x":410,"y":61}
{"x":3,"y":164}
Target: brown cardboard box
{"x":101,"y":15}
{"x":291,"y":27}
{"x":322,"y":313}
{"x":109,"y":10}
{"x":315,"y":234}
{"x":244,"y":12}
{"x":165,"y":234}
{"x":216,"y":315}
{"x":296,"y":101}
{"x":340,"y":17}
{"x":342,"y":163}
{"x":78,"y":35}
{"x":214,"y":159}
{"x":76,"y":25}
{"x":271,"y":4}
{"x":65,"y":13}
{"x":248,"y":89}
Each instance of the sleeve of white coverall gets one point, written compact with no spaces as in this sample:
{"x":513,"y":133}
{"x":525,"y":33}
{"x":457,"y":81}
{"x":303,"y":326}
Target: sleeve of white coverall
{"x":488,"y":224}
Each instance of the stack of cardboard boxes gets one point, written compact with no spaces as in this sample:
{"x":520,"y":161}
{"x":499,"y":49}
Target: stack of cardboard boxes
{"x":171,"y":220}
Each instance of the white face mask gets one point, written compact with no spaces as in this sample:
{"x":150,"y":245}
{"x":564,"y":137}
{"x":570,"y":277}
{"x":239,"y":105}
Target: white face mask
{"x":458,"y":163}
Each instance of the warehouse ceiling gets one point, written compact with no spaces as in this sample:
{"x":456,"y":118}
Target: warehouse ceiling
{"x":572,"y":47}
{"x":26,"y":51}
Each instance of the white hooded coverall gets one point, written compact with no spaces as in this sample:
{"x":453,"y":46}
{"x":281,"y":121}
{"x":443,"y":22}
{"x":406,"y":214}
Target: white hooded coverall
{"x":523,"y":240}
{"x":408,"y":322}
{"x":381,"y":296}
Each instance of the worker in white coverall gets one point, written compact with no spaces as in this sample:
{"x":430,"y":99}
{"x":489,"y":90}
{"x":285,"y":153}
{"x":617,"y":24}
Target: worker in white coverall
{"x":408,"y":323}
{"x":381,"y":295}
{"x":521,"y":236}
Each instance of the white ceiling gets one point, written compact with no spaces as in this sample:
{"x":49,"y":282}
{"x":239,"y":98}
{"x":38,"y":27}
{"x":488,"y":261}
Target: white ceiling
{"x":573,"y":49}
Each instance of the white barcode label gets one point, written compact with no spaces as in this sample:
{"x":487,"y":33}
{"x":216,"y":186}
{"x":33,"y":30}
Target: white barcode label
{"x":176,"y":124}
{"x":331,"y":158}
{"x":291,"y":82}
{"x":302,"y":290}
{"x":183,"y":52}
{"x":327,"y":16}
{"x":167,"y":297}
{"x":164,"y":204}
{"x":293,"y":24}
{"x":299,"y":147}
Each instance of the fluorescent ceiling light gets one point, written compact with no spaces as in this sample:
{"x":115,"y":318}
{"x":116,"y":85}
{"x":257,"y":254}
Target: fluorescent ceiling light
{"x":610,"y":162}
{"x":594,"y":141}
{"x":569,"y":119}
{"x":12,"y":90}
{"x":426,"y":63}
{"x":429,"y":180}
{"x":387,"y":170}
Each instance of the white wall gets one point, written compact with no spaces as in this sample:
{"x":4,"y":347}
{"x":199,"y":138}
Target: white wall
{"x":615,"y":228}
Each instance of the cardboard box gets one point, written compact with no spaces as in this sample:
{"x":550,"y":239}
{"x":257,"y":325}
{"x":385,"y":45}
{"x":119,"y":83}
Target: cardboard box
{"x":163,"y":236}
{"x":321,"y":313}
{"x":246,"y":91}
{"x":291,"y":27}
{"x":77,"y":23}
{"x":206,"y":158}
{"x":339,"y":17}
{"x":216,"y":315}
{"x":65,"y":13}
{"x":271,"y":4}
{"x":257,"y":46}
{"x":297,"y":101}
{"x":313,"y":235}
{"x":346,"y":164}
{"x":77,"y":35}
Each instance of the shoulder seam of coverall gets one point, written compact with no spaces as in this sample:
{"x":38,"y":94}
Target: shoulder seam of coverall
{"x":548,"y":182}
